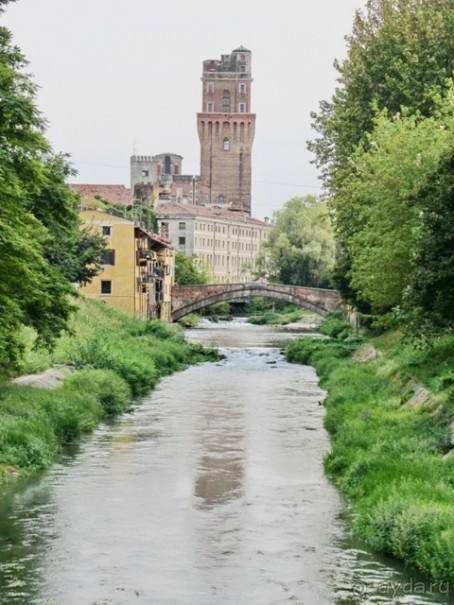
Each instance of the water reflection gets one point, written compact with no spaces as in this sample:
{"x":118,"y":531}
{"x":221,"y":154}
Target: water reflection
{"x":220,"y":464}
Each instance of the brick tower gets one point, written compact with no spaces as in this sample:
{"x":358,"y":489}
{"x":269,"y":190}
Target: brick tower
{"x":226,"y":130}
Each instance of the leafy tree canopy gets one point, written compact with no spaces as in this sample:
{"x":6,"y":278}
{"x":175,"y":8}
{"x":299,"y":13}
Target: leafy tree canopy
{"x":41,"y":246}
{"x":187,"y":271}
{"x":394,"y":213}
{"x":383,"y":144}
{"x":400,"y":54}
{"x":300,"y":247}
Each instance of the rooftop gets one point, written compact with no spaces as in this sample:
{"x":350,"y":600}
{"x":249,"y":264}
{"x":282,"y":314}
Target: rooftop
{"x":174,"y":209}
{"x":115,"y":194}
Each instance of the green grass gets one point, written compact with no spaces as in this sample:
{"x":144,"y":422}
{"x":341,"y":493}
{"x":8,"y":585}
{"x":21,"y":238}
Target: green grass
{"x":281,"y":318}
{"x":392,"y":460}
{"x":115,"y":359}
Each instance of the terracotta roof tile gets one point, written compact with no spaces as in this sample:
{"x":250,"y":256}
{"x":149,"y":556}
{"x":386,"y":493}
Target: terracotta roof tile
{"x":115,"y":194}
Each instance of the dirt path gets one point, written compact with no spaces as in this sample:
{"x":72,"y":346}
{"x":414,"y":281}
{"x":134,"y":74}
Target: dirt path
{"x":50,"y":379}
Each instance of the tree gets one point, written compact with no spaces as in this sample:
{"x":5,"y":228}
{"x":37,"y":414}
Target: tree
{"x":428,"y":300}
{"x":400,"y":60}
{"x":39,"y":226}
{"x":187,"y":272}
{"x":394,"y":215}
{"x":300,"y":247}
{"x":74,"y":249}
{"x":400,"y":54}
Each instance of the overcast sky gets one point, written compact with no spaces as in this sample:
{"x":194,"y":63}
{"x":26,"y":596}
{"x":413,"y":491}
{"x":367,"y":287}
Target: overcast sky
{"x":118,"y":77}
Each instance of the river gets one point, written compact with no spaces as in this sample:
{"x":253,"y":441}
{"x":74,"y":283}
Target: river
{"x":211,"y":492}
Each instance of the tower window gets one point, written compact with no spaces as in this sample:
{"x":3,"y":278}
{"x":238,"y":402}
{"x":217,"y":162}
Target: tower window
{"x":226,"y":101}
{"x":145,"y":173}
{"x":242,"y":107}
{"x":210,"y":107}
{"x":242,"y":89}
{"x":226,"y":144}
{"x":167,"y":165}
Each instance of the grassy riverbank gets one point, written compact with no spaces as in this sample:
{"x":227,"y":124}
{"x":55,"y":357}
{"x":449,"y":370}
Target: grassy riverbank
{"x":390,"y":413}
{"x":111,"y":359}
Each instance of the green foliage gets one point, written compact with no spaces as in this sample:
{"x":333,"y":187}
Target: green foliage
{"x":389,"y":458}
{"x":308,"y":350}
{"x":40,"y":243}
{"x":189,"y":321}
{"x":335,"y":326}
{"x":385,"y":142}
{"x":300,"y":247}
{"x":141,"y":210}
{"x":112,"y":391}
{"x":267,"y":318}
{"x":282,"y":316}
{"x":393,"y":214}
{"x":259,"y":304}
{"x":187,"y":271}
{"x":115,"y":358}
{"x":399,"y":53}
{"x":35,"y":422}
{"x":216,"y":310}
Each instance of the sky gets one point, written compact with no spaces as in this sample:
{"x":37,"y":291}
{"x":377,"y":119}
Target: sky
{"x":122,"y":77}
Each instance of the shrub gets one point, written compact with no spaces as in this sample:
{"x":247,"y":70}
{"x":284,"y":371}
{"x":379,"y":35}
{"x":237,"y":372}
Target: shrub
{"x":335,"y":326}
{"x":112,"y":391}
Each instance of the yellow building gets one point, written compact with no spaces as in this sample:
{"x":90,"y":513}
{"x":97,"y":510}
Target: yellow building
{"x":138,"y":268}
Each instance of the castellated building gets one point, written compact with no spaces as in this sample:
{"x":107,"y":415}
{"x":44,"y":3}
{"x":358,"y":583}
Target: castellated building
{"x":208,"y":216}
{"x":226,"y":129}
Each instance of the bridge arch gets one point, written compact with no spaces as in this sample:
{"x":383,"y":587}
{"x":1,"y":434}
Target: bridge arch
{"x":189,"y":299}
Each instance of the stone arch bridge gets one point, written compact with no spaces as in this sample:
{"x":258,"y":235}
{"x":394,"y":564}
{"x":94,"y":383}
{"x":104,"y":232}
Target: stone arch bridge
{"x":188,"y":299}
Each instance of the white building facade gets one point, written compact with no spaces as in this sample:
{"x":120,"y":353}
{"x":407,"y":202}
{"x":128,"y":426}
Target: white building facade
{"x":225,"y":243}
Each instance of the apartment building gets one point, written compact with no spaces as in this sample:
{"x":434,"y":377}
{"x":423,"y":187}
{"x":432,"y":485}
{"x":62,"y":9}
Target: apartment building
{"x":138,"y":268}
{"x":225,"y":243}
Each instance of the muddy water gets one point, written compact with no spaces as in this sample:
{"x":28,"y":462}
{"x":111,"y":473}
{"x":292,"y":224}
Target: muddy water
{"x":211,"y":492}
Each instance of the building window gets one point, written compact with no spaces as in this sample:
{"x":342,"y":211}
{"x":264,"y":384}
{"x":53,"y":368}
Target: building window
{"x":106,"y":287}
{"x":242,"y":107}
{"x":108,"y":257}
{"x":182,"y":241}
{"x":145,"y":173}
{"x":210,"y":107}
{"x":106,"y":230}
{"x":226,"y":144}
{"x":242,"y":89}
{"x":181,"y":225}
{"x":226,"y":101}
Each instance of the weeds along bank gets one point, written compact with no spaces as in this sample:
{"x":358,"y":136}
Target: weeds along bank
{"x":114,"y":360}
{"x":390,"y":413}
